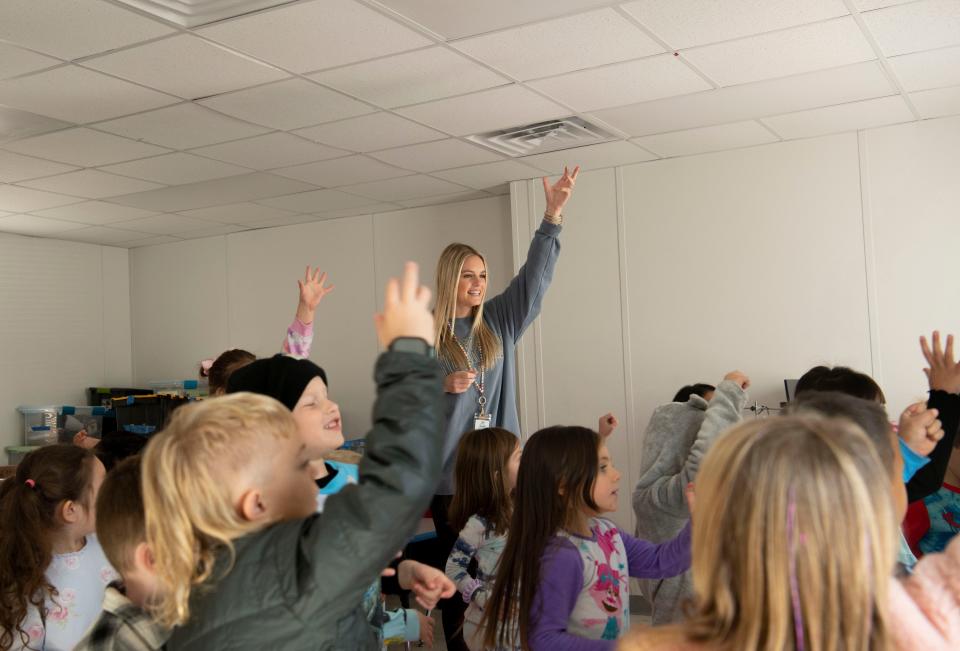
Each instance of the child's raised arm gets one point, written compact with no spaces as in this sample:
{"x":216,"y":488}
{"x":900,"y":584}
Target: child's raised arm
{"x":300,"y":333}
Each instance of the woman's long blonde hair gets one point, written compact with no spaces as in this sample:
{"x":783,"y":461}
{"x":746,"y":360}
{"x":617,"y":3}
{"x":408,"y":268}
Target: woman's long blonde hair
{"x":449,"y":268}
{"x":189,"y":481}
{"x":793,"y":535}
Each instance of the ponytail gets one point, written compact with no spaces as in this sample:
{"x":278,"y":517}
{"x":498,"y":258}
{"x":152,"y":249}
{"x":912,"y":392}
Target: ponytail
{"x":29,"y":505}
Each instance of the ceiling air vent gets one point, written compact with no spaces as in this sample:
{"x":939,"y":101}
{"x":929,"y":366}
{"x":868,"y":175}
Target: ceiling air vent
{"x":193,"y":13}
{"x":539,"y":138}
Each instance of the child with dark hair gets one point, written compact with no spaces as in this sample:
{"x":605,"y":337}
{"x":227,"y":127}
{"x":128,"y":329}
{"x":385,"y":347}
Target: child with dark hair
{"x":125,"y":623}
{"x":52,"y":569}
{"x":564,"y":574}
{"x":701,"y":389}
{"x":485,"y":476}
{"x":677,"y":438}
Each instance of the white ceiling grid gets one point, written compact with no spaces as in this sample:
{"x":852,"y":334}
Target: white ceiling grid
{"x":120,"y":128}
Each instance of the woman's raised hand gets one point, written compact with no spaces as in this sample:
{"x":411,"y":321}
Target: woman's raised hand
{"x":559,"y":193}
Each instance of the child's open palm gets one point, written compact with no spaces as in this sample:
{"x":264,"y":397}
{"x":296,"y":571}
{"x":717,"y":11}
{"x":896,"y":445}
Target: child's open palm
{"x":943,"y":372}
{"x":312,"y":288}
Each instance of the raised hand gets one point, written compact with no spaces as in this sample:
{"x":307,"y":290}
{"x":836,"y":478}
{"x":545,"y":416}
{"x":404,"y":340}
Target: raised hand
{"x":920,"y":428}
{"x":738,"y":377}
{"x":428,"y":584}
{"x":458,"y":381}
{"x":608,"y":423}
{"x":312,"y":291}
{"x":943,"y":373}
{"x":559,"y":193}
{"x":406,"y":309}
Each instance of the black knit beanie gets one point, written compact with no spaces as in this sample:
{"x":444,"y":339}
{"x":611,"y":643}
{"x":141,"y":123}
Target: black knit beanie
{"x":280,"y":377}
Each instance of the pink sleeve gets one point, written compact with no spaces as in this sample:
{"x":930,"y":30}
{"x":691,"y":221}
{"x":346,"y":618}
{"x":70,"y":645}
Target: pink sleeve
{"x":925,"y":607}
{"x":299,"y":339}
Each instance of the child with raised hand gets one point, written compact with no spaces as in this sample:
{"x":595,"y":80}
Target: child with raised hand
{"x":486,"y":474}
{"x":125,"y":623}
{"x":564,"y":574}
{"x":252,"y":566}
{"x":301,"y":386}
{"x":52,"y":570}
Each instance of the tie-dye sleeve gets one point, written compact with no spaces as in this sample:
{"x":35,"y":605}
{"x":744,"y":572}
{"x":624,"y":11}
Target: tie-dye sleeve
{"x":299,"y":339}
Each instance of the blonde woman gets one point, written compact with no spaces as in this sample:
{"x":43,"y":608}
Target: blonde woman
{"x":475,"y":340}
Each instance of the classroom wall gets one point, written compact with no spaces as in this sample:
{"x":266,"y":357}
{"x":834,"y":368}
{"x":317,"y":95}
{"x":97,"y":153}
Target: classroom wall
{"x":771,"y":259}
{"x":64,"y":324}
{"x":195,"y":299}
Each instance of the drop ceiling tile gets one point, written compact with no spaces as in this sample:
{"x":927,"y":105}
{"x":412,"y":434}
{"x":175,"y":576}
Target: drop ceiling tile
{"x":94,"y":213}
{"x":408,"y":187}
{"x":705,"y":139}
{"x":870,"y":5}
{"x":309,"y":36}
{"x":16,"y":199}
{"x":16,"y":124}
{"x":377,"y":208}
{"x":845,"y":117}
{"x":151,"y":240}
{"x":84,"y":147}
{"x":486,"y":110}
{"x":219,"y":192}
{"x":687,"y":23}
{"x":181,"y":127}
{"x":167,"y":224}
{"x":186,"y":66}
{"x":101,"y":235}
{"x":488,"y":175}
{"x":801,"y":49}
{"x":597,"y":38}
{"x":737,"y":103}
{"x":14,"y":167}
{"x":90,"y":184}
{"x":439,"y":155}
{"x":923,"y":70}
{"x":176,"y":169}
{"x":937,"y":103}
{"x":74,"y":94}
{"x":411,"y":78}
{"x":17,"y":61}
{"x":70,"y":30}
{"x":288,"y":220}
{"x":288,"y":105}
{"x":499,"y":190}
{"x":270,"y":151}
{"x":342,"y":171}
{"x":458,"y":19}
{"x":916,"y":26}
{"x":316,"y":201}
{"x":591,"y":157}
{"x":239,"y":213}
{"x":623,"y":83}
{"x":456,"y":197}
{"x":370,"y":132}
{"x":31,"y":225}
{"x":223,"y":229}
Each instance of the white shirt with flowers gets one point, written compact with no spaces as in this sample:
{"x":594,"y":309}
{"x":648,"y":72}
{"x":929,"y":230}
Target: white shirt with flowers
{"x":80,"y":579}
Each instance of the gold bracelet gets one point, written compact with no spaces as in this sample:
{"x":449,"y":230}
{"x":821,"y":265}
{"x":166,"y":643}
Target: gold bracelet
{"x":553,"y":219}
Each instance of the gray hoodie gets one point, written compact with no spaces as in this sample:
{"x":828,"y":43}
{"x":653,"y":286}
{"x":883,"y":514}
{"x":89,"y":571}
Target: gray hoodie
{"x":676,"y":440}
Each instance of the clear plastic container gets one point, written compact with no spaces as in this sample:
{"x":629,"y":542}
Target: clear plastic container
{"x":73,"y":419}
{"x":16,"y":453}
{"x":40,"y":424}
{"x":180,"y":388}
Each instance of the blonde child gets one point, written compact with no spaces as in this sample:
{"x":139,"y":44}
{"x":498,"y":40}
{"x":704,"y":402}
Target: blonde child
{"x":250,"y":565}
{"x":125,"y":623}
{"x":564,"y":573}
{"x":487,"y":463}
{"x":52,"y":570}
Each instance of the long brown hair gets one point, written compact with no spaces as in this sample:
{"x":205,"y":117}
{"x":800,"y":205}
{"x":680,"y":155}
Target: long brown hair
{"x":449,"y":268}
{"x":29,"y":506}
{"x":794,"y":535}
{"x":555,"y":482}
{"x":480,"y":479}
{"x":224,"y":366}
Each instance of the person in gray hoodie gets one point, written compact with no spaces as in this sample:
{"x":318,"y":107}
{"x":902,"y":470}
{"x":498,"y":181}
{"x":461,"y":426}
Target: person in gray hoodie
{"x":676,"y":440}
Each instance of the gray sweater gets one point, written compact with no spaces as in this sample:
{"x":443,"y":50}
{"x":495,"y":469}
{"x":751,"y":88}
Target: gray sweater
{"x":676,"y":440}
{"x":508,"y":314}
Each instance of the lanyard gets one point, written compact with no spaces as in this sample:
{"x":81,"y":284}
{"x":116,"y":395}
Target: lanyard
{"x":482,"y":400}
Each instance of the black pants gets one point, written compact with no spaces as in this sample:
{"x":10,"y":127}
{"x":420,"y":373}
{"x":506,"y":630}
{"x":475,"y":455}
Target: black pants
{"x":452,"y":608}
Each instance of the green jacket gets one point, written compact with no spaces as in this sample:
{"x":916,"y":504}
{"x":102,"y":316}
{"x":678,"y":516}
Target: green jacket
{"x":299,"y":584}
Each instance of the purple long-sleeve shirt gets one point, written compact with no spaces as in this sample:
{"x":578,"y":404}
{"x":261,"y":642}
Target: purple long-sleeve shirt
{"x":582,"y":602}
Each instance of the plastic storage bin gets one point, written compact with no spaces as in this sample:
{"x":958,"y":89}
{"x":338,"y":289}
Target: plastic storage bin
{"x":73,"y":419}
{"x":145,"y":415}
{"x":16,"y":453}
{"x":101,"y":396}
{"x":39,"y":424}
{"x":180,"y":388}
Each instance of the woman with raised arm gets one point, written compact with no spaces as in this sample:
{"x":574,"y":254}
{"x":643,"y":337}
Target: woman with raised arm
{"x":475,"y":342}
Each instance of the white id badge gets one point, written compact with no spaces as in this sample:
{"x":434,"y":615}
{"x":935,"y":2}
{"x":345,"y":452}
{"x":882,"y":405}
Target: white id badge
{"x":481,"y":421}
